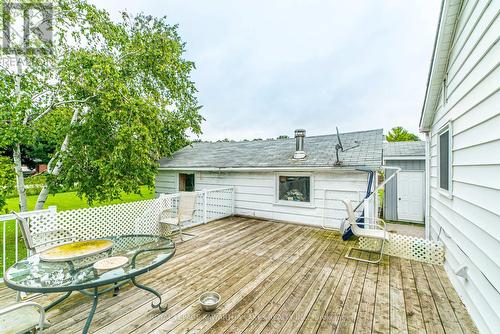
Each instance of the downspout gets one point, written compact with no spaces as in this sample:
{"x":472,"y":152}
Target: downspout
{"x":427,"y":185}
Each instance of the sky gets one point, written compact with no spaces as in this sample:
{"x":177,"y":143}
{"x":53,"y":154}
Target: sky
{"x":265,"y":68}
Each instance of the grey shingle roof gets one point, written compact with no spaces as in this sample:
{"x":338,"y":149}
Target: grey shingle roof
{"x":320,"y":152}
{"x":404,"y":148}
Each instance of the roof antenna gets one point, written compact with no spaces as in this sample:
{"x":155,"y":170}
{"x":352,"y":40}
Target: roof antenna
{"x":339,"y":146}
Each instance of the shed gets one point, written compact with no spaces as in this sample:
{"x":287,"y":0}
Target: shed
{"x":404,"y":195}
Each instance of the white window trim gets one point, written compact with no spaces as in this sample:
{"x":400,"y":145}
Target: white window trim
{"x":177,"y":185}
{"x":447,"y":127}
{"x":277,"y":201}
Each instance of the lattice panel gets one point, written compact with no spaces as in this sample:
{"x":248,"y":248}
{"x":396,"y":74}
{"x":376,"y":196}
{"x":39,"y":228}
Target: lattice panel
{"x":109,"y":220}
{"x":219,"y":203}
{"x":139,"y":217}
{"x":408,"y":247}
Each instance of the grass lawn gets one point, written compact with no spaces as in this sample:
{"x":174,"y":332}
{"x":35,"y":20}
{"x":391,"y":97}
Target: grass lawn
{"x":69,"y":200}
{"x":63,"y":201}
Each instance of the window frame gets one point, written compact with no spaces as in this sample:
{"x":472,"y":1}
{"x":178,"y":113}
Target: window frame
{"x":177,"y":180}
{"x":278,"y":201}
{"x":446,"y":128}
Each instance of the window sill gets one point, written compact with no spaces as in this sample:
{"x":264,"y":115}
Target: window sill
{"x":297,"y":204}
{"x":445,"y":193}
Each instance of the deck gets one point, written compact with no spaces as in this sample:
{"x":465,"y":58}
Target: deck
{"x":273,"y":277}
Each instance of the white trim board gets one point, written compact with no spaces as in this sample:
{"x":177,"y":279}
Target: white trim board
{"x":403,"y":157}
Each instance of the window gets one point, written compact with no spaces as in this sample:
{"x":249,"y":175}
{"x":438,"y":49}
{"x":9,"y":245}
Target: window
{"x":186,"y":182}
{"x":444,"y":160}
{"x":294,"y":188}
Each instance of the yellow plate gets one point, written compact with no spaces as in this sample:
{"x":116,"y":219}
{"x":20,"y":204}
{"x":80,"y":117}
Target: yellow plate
{"x":76,"y":250}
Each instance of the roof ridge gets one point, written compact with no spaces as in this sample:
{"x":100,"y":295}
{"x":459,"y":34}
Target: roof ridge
{"x":290,"y":138}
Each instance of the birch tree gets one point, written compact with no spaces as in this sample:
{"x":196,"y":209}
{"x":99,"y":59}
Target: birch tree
{"x":113,"y":97}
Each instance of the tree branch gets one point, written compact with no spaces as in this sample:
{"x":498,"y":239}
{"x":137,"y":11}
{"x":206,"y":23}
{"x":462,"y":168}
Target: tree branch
{"x":42,"y":197}
{"x":53,"y":105}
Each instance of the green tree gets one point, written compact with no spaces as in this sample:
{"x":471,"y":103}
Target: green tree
{"x":399,"y":133}
{"x":7,"y":179}
{"x":112,"y":97}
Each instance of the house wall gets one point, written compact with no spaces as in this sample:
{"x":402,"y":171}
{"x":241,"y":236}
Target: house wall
{"x":468,"y":221}
{"x":255,"y":194}
{"x":391,"y":192}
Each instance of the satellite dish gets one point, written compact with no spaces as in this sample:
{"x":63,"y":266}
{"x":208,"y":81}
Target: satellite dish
{"x":339,"y":146}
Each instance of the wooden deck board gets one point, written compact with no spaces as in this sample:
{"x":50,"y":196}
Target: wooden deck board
{"x":318,"y":310}
{"x":429,"y":311}
{"x":273,"y":278}
{"x":305,"y":274}
{"x":381,"y":320}
{"x":398,"y":323}
{"x":251,"y":306}
{"x":412,"y":304}
{"x":367,"y":307}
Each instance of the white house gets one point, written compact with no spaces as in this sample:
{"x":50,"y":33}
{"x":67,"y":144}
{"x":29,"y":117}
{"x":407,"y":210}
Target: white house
{"x":461,"y":119}
{"x":295,"y":180}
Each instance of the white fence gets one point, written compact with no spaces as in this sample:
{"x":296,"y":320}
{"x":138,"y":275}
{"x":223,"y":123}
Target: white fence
{"x":408,"y":247}
{"x":139,"y":217}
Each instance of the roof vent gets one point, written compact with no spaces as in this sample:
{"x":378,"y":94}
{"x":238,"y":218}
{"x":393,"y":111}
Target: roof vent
{"x":300,"y":134}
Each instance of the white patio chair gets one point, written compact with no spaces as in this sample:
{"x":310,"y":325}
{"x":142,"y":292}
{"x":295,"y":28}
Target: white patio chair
{"x":379,"y":233}
{"x":185,"y":212}
{"x":38,"y":242}
{"x":23,"y":317}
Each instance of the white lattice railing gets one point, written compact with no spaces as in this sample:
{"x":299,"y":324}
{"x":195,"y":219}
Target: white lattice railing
{"x":408,"y":247}
{"x":118,"y":219}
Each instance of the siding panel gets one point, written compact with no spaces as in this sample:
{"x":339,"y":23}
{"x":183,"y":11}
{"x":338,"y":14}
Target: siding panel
{"x":255,"y":194}
{"x":468,"y":222}
{"x":485,"y":176}
{"x":471,"y":50}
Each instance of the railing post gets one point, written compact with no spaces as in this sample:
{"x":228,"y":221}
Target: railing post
{"x":204,"y":206}
{"x":4,"y":250}
{"x":233,"y":199}
{"x":16,"y":241}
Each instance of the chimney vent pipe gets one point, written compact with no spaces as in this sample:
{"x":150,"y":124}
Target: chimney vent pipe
{"x":300,"y":134}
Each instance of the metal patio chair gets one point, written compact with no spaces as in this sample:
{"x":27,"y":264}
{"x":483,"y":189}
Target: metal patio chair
{"x":38,"y":242}
{"x":185,"y":212}
{"x":379,"y":233}
{"x":23,"y":317}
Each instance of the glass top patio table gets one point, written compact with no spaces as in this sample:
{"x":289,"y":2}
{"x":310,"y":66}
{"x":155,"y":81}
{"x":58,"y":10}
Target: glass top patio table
{"x":145,"y":252}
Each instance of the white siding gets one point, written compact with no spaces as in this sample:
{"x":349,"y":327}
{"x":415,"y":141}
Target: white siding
{"x":166,"y":183}
{"x":255,"y":194}
{"x":468,"y":223}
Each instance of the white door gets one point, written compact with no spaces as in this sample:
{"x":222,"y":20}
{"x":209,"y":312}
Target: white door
{"x":410,"y":195}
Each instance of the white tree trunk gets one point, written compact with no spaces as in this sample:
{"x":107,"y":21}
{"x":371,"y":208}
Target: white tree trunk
{"x":21,"y":190}
{"x":42,"y":197}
